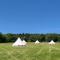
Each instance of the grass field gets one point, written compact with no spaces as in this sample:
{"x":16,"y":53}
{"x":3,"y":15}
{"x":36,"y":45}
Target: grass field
{"x":42,"y":51}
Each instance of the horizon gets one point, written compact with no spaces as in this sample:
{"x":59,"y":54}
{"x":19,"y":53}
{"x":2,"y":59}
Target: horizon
{"x":28,"y":33}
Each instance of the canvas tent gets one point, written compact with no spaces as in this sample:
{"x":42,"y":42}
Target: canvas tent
{"x":51,"y":42}
{"x":37,"y":42}
{"x":24,"y":42}
{"x":18,"y":42}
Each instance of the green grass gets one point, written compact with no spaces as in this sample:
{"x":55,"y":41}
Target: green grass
{"x":31,"y":51}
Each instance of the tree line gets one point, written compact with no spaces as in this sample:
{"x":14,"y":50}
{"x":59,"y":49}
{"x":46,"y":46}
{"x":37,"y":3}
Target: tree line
{"x":9,"y":37}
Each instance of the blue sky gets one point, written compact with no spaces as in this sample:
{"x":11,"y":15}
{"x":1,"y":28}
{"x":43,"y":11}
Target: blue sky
{"x":30,"y":16}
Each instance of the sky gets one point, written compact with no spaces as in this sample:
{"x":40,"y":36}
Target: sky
{"x":30,"y":16}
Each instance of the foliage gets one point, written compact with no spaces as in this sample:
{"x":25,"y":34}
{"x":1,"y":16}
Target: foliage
{"x":29,"y":37}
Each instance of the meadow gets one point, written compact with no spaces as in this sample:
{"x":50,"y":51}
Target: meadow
{"x":41,"y":51}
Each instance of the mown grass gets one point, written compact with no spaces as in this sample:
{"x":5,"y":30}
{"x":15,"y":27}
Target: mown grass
{"x":31,"y":51}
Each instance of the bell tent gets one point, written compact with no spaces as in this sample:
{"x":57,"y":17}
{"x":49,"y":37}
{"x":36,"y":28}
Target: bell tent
{"x":37,"y":42}
{"x":24,"y":42}
{"x":18,"y":42}
{"x":51,"y":42}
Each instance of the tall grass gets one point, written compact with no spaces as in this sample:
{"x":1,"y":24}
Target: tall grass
{"x":31,"y":51}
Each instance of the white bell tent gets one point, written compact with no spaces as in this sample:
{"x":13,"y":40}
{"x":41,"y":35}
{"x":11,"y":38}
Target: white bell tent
{"x":37,"y":42}
{"x":51,"y":42}
{"x":24,"y":42}
{"x":18,"y":42}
